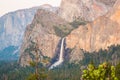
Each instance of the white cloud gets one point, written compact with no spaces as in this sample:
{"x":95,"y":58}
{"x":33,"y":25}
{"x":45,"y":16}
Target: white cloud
{"x":12,"y":5}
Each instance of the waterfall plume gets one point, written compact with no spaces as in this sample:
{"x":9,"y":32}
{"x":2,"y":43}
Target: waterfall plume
{"x":60,"y":56}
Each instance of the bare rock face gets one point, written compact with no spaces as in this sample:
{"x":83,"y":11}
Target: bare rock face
{"x":107,"y":2}
{"x":12,"y":28}
{"x":48,"y":28}
{"x":76,"y":55}
{"x":87,"y":10}
{"x":43,"y":29}
{"x":99,"y":34}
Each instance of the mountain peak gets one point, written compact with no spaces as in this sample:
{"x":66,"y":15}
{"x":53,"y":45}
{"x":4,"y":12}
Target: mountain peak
{"x":87,"y":10}
{"x":46,"y":6}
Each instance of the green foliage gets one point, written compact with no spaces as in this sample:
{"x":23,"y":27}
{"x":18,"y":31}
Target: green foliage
{"x":65,"y":72}
{"x":62,"y":30}
{"x":117,"y":70}
{"x":102,"y":72}
{"x":32,"y":64}
{"x":40,"y":76}
{"x":12,"y":71}
{"x":32,"y":77}
{"x":111,"y":55}
{"x":41,"y":73}
{"x":7,"y":53}
{"x":38,"y":73}
{"x":77,"y":23}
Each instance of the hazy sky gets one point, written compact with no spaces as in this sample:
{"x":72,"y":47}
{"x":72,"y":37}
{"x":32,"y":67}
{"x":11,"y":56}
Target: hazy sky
{"x":12,"y":5}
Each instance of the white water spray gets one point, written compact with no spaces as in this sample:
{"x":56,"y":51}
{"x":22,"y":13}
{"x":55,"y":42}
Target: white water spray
{"x":60,"y":57}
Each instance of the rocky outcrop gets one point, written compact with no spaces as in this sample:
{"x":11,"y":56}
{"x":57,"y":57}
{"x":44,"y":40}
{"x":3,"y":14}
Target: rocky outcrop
{"x":45,"y":29}
{"x":13,"y":25}
{"x":107,"y":2}
{"x":99,"y":34}
{"x":87,"y":10}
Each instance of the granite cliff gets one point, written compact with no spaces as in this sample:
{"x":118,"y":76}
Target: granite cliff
{"x":48,"y":28}
{"x":87,"y":10}
{"x":99,"y":34}
{"x":12,"y":28}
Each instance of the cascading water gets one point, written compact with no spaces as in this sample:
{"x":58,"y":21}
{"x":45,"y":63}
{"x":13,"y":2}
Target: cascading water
{"x":60,"y":57}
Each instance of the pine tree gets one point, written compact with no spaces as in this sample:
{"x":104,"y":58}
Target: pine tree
{"x":39,"y":73}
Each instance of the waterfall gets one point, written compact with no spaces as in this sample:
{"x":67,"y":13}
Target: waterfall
{"x":60,"y":56}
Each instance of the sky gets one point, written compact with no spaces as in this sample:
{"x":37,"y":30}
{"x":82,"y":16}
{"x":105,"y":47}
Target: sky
{"x":13,"y":5}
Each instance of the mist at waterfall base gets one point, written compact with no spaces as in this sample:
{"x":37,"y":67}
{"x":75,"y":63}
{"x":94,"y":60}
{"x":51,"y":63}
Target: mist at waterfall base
{"x":57,"y":63}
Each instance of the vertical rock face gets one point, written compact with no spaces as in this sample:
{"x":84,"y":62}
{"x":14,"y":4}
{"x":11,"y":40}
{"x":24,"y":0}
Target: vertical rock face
{"x":99,"y":34}
{"x":13,"y":25}
{"x":43,"y":29}
{"x":47,"y":28}
{"x":12,"y":28}
{"x":87,"y":10}
{"x":107,"y":2}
